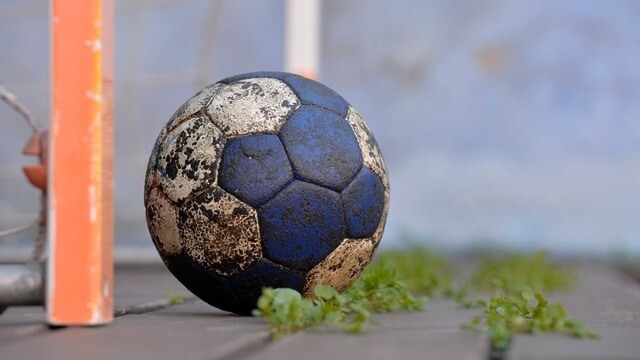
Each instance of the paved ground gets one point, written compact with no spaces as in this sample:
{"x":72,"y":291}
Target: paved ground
{"x":146,"y":328}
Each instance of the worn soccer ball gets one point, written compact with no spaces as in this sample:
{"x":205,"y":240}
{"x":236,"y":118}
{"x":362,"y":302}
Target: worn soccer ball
{"x":265,"y":180}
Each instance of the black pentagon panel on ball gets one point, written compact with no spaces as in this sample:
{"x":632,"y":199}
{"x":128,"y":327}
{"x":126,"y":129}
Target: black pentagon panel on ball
{"x":208,"y":286}
{"x":254,"y":168}
{"x":301,"y":225}
{"x":322,"y":147}
{"x":364,"y":202}
{"x":248,"y":284}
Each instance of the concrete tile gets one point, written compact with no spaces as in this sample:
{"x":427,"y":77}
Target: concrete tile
{"x":189,"y":331}
{"x":609,"y":304}
{"x":432,"y":334}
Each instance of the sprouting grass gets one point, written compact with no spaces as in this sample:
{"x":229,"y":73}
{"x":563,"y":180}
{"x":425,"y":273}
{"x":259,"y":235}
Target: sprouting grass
{"x":377,"y":290}
{"x":512,"y":273}
{"x":424,"y":272}
{"x":401,"y":280}
{"x":508,"y":274}
{"x":528,"y":312}
{"x":508,"y":282}
{"x":173,"y":298}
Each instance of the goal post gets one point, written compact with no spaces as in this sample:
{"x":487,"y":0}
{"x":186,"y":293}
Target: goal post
{"x":302,"y":37}
{"x":79,"y":284}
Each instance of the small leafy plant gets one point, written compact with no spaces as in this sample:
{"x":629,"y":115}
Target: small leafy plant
{"x":511,"y":310}
{"x":390,"y":282}
{"x":424,"y":272}
{"x":527,"y":313}
{"x":173,"y":298}
{"x":377,"y":290}
{"x":288,"y":312}
{"x":511,"y":273}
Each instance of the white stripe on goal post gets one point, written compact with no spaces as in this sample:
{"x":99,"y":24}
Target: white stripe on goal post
{"x":302,"y":37}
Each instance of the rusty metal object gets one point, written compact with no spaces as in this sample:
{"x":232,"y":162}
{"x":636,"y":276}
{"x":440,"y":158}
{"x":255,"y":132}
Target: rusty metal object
{"x":37,"y":146}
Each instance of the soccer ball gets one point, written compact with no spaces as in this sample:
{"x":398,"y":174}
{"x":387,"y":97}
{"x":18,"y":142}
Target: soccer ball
{"x":265,"y":179}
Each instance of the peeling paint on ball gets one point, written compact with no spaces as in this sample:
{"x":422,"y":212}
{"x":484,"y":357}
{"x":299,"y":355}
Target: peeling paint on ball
{"x":342,"y":267}
{"x":162,"y":215}
{"x":187,"y":160}
{"x":265,"y":179}
{"x":252,"y":106}
{"x":215,"y":215}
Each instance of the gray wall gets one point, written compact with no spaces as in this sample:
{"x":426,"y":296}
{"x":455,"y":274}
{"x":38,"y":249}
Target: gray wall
{"x":502,"y":123}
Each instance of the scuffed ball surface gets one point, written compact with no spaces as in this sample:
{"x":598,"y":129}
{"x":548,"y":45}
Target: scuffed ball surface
{"x":265,"y":180}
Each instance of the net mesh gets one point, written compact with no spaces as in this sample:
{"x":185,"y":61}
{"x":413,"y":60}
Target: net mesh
{"x":525,"y":131}
{"x":165,"y":51}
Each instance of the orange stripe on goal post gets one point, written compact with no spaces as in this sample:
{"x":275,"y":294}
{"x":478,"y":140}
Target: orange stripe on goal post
{"x":80,"y":188}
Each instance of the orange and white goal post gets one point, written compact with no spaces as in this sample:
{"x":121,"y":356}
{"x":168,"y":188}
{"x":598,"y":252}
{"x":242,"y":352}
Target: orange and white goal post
{"x":79,"y":276}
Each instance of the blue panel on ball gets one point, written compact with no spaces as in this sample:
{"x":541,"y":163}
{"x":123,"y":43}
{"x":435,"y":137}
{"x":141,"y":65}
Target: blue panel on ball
{"x":208,"y":286}
{"x":301,"y":225}
{"x":311,"y":92}
{"x":248,"y":284}
{"x":322,"y":147}
{"x":254,"y":168}
{"x":363,"y":202}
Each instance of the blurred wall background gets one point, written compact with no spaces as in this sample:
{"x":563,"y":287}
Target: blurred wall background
{"x":503,"y":123}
